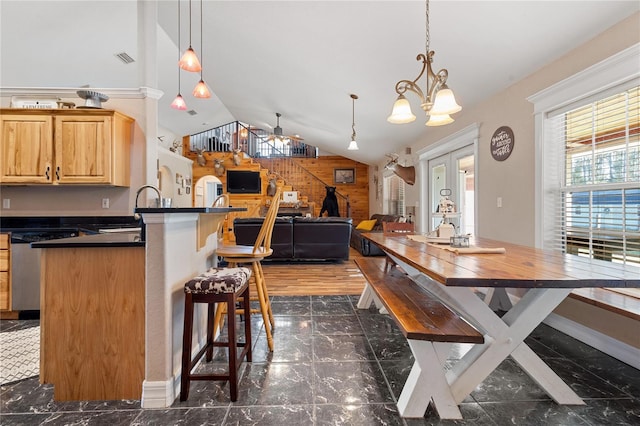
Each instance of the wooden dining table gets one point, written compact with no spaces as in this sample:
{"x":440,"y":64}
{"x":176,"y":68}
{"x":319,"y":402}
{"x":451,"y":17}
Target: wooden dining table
{"x":471,"y":284}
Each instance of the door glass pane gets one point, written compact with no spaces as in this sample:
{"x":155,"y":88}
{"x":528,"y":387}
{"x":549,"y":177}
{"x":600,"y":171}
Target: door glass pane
{"x":438,"y":182}
{"x":466,"y":193}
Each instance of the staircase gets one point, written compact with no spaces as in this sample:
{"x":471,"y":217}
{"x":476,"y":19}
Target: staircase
{"x":303,"y":181}
{"x":278,"y":157}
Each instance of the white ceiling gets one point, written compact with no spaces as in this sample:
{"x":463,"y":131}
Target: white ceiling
{"x":299,"y":58}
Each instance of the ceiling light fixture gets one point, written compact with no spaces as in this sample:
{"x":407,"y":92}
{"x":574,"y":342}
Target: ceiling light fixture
{"x":353,"y":145}
{"x":201,"y":90}
{"x":178,"y":102}
{"x":437,"y":100}
{"x":189,"y":61}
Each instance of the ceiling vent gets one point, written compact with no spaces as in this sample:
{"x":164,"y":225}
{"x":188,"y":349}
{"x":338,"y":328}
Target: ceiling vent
{"x":192,"y":112}
{"x":124,"y":57}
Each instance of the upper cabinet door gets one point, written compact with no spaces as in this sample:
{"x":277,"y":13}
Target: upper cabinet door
{"x":26,"y":146}
{"x":83,"y":149}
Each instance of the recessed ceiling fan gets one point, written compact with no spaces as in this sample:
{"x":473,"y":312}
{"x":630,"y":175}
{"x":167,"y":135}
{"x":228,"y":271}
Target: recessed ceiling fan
{"x":278,"y":133}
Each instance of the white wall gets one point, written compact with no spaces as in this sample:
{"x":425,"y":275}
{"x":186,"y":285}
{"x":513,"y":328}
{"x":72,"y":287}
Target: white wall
{"x":175,"y":177}
{"x":513,"y":179}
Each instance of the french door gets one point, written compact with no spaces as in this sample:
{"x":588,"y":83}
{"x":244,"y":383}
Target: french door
{"x":453,"y":173}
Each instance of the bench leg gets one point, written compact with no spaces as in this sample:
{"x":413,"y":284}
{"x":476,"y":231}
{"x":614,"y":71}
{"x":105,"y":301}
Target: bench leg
{"x":368,"y":297}
{"x":427,"y":383}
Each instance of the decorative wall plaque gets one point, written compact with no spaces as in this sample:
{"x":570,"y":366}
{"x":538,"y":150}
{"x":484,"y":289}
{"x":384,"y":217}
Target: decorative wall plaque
{"x":502,"y":143}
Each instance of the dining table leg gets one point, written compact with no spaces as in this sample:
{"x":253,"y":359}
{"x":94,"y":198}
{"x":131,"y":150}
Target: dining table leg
{"x":504,"y":336}
{"x":507,"y":336}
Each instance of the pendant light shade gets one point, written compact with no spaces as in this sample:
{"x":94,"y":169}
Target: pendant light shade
{"x":201,"y":90}
{"x":353,"y":146}
{"x":189,"y":61}
{"x":401,"y":112}
{"x":445,"y":103}
{"x":439,"y":120}
{"x":179,"y":103}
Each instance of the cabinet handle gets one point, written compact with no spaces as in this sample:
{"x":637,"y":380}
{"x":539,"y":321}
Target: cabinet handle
{"x":46,"y":172}
{"x":58,"y":173}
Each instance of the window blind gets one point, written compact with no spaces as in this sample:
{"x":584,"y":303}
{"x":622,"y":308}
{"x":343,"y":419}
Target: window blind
{"x":597,"y":202}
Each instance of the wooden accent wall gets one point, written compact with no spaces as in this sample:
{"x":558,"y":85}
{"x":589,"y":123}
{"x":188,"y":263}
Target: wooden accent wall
{"x":358,"y":193}
{"x":322,"y":167}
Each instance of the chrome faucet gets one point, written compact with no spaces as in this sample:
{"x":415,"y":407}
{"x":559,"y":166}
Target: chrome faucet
{"x":138,"y":195}
{"x":137,"y":216}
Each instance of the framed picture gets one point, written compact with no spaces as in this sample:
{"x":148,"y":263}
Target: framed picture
{"x":344,"y":175}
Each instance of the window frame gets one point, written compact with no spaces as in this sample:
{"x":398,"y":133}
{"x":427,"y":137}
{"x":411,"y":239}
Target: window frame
{"x":596,"y":82}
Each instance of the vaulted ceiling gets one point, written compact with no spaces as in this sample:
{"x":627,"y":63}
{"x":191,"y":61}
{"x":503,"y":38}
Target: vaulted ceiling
{"x":299,"y":58}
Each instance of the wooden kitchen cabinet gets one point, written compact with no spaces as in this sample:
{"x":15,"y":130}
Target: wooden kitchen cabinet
{"x":65,"y":147}
{"x":5,"y":272}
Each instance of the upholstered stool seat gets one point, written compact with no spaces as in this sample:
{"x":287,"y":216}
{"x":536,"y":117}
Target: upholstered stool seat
{"x":217,"y":285}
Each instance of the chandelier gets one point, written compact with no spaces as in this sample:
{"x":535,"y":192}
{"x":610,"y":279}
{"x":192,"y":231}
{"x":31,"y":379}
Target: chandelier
{"x":437,"y":100}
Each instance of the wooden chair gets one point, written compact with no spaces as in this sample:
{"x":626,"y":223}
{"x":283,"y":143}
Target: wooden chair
{"x":239,"y":254}
{"x":395,"y":229}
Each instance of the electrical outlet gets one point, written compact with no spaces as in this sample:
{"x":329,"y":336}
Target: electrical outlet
{"x":105,"y":203}
{"x":6,"y":203}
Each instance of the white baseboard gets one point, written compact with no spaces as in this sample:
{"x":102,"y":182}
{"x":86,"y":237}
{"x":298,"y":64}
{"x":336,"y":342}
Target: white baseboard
{"x":159,"y":394}
{"x":612,"y":347}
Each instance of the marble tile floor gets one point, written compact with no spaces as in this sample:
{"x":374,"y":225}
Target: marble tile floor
{"x":336,"y":365}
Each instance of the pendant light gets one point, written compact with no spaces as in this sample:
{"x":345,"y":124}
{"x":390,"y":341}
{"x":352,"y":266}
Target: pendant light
{"x":201,"y":90}
{"x":353,"y":145}
{"x":178,"y":102}
{"x":189,"y":61}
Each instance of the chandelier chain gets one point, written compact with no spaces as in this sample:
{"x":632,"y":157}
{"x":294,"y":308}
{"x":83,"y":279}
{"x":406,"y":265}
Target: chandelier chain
{"x":427,"y":28}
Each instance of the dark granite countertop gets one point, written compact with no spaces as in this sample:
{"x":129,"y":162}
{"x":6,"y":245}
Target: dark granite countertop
{"x":190,"y":209}
{"x":118,"y":239}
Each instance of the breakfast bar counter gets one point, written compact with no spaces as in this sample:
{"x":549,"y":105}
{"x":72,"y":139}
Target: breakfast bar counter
{"x":111,"y":307}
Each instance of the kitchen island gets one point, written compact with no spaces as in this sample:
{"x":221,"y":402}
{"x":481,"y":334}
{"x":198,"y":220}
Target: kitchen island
{"x":112,"y":306}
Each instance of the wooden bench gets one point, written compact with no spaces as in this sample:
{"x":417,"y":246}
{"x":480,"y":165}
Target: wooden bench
{"x":429,"y":326}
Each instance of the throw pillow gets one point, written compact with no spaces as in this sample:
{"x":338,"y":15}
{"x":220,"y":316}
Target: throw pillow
{"x":366,"y":225}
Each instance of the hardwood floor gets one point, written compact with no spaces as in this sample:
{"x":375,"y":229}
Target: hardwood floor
{"x":314,"y":279}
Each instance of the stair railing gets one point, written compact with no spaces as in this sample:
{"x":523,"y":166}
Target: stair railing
{"x":305,"y":182}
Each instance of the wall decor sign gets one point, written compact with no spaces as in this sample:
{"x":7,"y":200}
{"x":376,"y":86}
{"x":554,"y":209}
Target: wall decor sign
{"x":502,"y":143}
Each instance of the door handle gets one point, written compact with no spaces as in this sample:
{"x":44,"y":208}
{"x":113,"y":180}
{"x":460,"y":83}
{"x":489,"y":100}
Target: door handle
{"x":58,"y":173}
{"x":46,"y":172}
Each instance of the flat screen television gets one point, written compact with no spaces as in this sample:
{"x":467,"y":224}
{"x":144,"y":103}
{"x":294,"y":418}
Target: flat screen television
{"x":243,"y":182}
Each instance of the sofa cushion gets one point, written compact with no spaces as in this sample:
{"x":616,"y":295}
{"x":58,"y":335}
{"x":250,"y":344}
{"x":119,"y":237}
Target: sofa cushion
{"x":246,"y":231}
{"x":324,"y":238}
{"x":367,"y":225}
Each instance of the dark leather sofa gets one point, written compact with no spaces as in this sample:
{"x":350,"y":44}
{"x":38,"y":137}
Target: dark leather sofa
{"x":364,"y":246}
{"x":300,"y":238}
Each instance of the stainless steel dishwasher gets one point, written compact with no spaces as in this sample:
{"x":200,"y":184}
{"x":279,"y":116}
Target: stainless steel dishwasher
{"x":25,"y":265}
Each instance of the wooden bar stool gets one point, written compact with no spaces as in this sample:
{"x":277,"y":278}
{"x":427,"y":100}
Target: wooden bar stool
{"x":217,"y":285}
{"x":239,"y":254}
